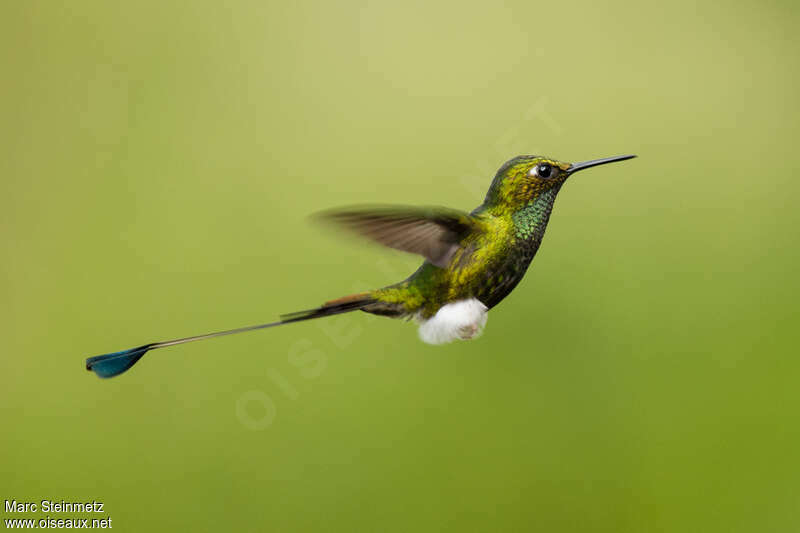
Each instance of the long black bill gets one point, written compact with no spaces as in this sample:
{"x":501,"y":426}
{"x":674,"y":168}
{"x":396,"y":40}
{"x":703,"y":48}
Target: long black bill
{"x":594,"y":162}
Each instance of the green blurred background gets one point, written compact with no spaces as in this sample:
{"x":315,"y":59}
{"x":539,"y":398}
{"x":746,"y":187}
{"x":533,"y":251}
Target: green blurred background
{"x":159,"y":161}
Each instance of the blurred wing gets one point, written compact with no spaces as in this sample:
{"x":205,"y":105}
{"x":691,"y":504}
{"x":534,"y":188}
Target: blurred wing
{"x":432,"y":232}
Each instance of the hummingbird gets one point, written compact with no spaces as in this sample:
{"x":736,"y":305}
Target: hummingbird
{"x":472,"y":261}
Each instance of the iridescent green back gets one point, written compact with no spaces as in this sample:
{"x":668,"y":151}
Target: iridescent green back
{"x":491,"y":262}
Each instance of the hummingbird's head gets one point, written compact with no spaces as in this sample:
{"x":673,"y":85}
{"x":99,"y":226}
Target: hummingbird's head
{"x":522,"y":179}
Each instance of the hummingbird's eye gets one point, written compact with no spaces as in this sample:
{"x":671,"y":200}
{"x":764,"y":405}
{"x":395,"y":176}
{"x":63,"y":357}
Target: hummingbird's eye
{"x":542,"y":170}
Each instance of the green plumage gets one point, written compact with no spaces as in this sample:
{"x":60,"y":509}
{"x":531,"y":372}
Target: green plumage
{"x":481,"y":255}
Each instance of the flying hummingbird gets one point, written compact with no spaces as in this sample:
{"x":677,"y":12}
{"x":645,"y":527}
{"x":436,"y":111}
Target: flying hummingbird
{"x":472,"y":260}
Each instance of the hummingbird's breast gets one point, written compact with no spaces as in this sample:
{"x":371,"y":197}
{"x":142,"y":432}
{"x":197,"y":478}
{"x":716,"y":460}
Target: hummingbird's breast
{"x":502,"y":255}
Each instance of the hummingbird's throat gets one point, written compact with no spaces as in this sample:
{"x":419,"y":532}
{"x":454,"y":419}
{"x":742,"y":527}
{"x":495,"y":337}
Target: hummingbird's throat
{"x":530,"y":222}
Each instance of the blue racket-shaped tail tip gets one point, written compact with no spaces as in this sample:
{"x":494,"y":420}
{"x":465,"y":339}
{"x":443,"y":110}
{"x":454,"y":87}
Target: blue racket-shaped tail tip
{"x":114,"y":364}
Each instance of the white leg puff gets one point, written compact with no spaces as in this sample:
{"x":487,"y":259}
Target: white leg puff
{"x":463,"y":320}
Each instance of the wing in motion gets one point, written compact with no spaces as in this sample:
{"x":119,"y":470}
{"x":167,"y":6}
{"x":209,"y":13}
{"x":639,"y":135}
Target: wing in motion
{"x":432,"y":232}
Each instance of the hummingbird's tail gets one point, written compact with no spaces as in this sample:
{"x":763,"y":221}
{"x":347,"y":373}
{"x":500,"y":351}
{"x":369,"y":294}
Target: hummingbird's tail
{"x":114,"y":364}
{"x":352,"y":302}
